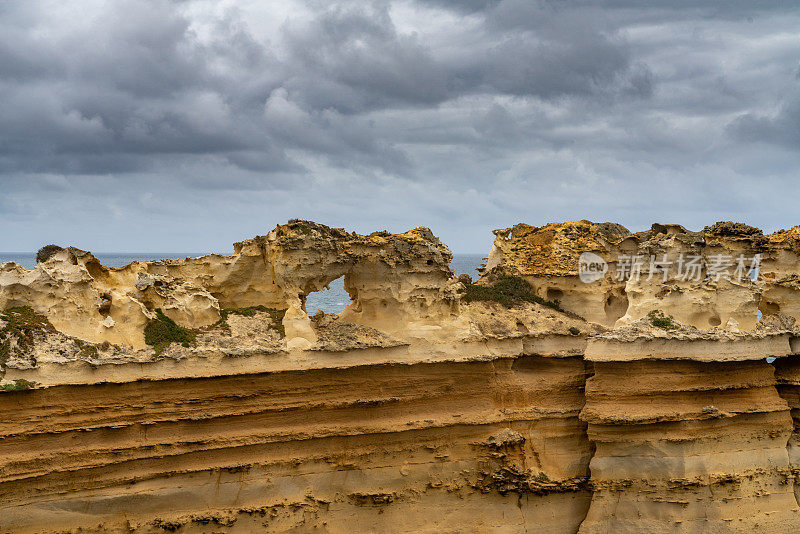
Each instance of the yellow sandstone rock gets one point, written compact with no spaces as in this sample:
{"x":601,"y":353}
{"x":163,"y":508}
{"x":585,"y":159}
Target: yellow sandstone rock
{"x":197,"y":395}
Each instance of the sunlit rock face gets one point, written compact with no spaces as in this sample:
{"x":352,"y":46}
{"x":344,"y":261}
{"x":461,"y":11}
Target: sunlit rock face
{"x":780,"y":270}
{"x":90,"y":301}
{"x":726,"y":275}
{"x":685,"y":441}
{"x":593,"y":380}
{"x":548,"y":259}
{"x":392,"y":280}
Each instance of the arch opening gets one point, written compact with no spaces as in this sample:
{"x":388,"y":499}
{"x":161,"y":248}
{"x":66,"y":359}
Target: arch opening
{"x":330,"y":300}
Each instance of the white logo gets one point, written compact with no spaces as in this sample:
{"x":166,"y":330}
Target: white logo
{"x":591,"y":267}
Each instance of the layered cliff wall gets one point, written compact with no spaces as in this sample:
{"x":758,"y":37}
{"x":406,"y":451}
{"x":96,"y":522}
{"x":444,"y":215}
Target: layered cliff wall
{"x":686,"y":442}
{"x":198,"y":396}
{"x":490,"y":444}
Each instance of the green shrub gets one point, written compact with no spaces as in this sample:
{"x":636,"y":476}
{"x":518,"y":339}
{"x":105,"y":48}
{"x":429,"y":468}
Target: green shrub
{"x":18,"y":385}
{"x":21,"y":324}
{"x":508,"y":291}
{"x":46,"y":252}
{"x":659,"y":320}
{"x":162,"y":331}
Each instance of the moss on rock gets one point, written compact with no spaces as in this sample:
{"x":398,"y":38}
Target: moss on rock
{"x":275,"y":315}
{"x":19,"y":384}
{"x":659,"y":320}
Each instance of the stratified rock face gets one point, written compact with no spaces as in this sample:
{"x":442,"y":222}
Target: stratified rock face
{"x":493,"y":445}
{"x":197,"y":395}
{"x":686,"y":444}
{"x":787,"y":373}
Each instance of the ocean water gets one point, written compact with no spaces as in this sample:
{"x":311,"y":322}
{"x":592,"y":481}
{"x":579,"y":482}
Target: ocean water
{"x":331,"y":300}
{"x":28,"y":259}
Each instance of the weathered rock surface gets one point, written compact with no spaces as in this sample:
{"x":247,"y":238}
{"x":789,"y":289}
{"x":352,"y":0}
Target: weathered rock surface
{"x":391,"y":279}
{"x":197,"y":395}
{"x":705,"y":279}
{"x":686,"y":443}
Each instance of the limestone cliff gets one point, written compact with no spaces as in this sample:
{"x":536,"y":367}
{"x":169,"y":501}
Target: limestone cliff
{"x":197,"y":395}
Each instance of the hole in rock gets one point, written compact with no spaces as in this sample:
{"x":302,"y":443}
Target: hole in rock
{"x":105,"y":305}
{"x":616,"y":305}
{"x":332,"y":300}
{"x":714,"y":320}
{"x":767,"y":307}
{"x":95,"y":268}
{"x":554,"y":294}
{"x":753,"y":274}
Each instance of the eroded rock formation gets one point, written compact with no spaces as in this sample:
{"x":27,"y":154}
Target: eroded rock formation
{"x":391,"y":278}
{"x":715,"y":277}
{"x":197,"y":395}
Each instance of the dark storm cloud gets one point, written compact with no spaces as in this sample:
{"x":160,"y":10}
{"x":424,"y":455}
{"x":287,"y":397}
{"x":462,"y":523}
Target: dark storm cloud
{"x":138,"y":83}
{"x":782,"y":128}
{"x":460,"y":115}
{"x":363,"y":63}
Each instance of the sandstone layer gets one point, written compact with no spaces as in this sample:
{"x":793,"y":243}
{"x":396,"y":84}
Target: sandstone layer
{"x":686,"y":443}
{"x":197,"y":395}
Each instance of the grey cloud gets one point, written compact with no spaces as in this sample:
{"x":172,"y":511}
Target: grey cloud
{"x":783,"y":128}
{"x":217,"y":123}
{"x":140,"y":83}
{"x":361,"y":62}
{"x":527,"y":12}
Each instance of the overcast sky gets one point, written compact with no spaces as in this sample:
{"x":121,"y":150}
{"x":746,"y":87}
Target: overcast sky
{"x":184,"y":126}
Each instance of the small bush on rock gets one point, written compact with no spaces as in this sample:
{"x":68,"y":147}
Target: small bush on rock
{"x":46,"y":251}
{"x":659,"y":320}
{"x":162,"y":331}
{"x":508,"y":291}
